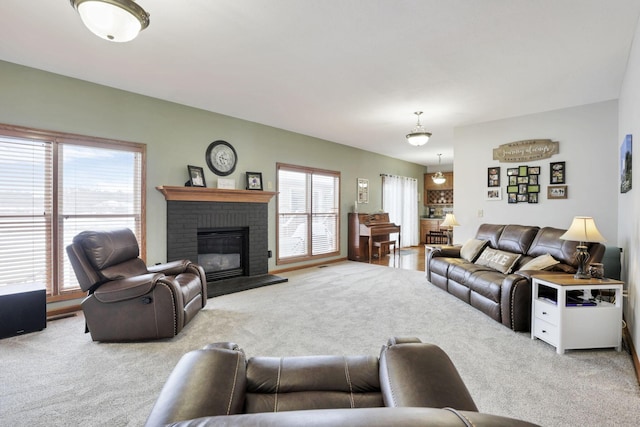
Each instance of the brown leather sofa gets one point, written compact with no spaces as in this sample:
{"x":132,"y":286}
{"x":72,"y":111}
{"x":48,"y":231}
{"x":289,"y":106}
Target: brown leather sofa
{"x":410,"y":384}
{"x":128,"y":301}
{"x":504,"y":296}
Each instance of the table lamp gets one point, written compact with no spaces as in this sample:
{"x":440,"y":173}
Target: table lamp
{"x":449,"y":222}
{"x":583,"y":229}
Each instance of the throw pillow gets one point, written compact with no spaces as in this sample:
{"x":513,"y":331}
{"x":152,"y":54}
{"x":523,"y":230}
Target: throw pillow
{"x":472,"y":248}
{"x":540,"y":263}
{"x":498,"y":260}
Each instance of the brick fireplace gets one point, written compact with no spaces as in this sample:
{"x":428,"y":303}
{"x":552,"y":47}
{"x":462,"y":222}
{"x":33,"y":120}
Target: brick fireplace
{"x":193,"y":210}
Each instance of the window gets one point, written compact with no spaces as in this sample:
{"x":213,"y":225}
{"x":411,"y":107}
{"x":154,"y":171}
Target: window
{"x":54,"y":186}
{"x":400,"y":199}
{"x":308,"y":213}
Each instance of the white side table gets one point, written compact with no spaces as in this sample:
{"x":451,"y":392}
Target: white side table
{"x":573,"y":326}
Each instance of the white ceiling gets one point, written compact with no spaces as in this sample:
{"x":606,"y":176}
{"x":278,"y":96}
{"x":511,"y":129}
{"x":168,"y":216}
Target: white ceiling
{"x":349,"y":71}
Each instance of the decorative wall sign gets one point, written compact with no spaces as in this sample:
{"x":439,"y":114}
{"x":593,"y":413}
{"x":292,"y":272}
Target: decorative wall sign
{"x":523,"y":184}
{"x":625,"y":164}
{"x":493,"y":177}
{"x":557,"y":172}
{"x":526,"y":151}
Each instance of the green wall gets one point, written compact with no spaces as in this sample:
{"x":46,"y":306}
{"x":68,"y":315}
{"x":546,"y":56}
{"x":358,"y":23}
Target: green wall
{"x":177,"y":135}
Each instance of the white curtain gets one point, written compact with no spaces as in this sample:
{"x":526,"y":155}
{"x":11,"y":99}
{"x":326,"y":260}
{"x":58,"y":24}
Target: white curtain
{"x":400,"y":200}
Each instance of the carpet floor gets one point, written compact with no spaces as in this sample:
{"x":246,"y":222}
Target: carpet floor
{"x":59,"y":377}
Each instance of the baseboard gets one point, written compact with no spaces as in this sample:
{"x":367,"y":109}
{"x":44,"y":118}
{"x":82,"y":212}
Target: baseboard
{"x":632,"y":349}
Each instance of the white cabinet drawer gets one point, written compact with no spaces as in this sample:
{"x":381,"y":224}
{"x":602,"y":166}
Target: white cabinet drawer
{"x":546,"y":311}
{"x":546,"y":332}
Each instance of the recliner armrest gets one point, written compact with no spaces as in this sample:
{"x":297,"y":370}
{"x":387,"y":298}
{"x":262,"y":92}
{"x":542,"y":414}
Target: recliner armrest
{"x":126,"y":289}
{"x":421,"y":374}
{"x":204,"y":383}
{"x":172,"y":268}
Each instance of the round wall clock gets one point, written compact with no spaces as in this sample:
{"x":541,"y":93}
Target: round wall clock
{"x":221,"y":158}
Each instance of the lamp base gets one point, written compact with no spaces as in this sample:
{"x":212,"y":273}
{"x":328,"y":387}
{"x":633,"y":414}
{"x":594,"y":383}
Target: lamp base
{"x":582,"y":255}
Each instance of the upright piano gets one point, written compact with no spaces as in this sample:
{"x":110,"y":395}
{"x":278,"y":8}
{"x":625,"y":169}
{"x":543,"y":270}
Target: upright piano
{"x":364,"y":229}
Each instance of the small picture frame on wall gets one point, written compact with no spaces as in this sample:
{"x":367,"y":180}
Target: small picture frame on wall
{"x":363,"y":190}
{"x":494,"y":194}
{"x":196,"y":177}
{"x":254,"y":181}
{"x":556,"y":192}
{"x":557,"y":172}
{"x":513,"y":171}
{"x":493,"y":177}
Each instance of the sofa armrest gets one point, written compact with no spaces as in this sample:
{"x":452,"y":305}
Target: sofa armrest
{"x":515,"y":301}
{"x":446,"y":251}
{"x":421,"y":375}
{"x":204,"y":383}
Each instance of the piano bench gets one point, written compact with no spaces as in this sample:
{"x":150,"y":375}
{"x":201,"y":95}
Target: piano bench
{"x":384,"y":246}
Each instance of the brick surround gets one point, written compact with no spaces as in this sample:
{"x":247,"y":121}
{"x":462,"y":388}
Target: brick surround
{"x":184,"y":218}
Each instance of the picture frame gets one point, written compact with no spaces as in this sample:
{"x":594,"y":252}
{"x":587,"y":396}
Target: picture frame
{"x":625,"y":164}
{"x":254,"y":181}
{"x":556,"y":192}
{"x":512,"y":171}
{"x":196,"y":177}
{"x":533,"y":170}
{"x":493,"y":177}
{"x":494,"y":194}
{"x":557,"y":173}
{"x":363,"y":190}
{"x":533,"y":198}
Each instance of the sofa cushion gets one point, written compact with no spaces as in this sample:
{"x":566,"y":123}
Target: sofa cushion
{"x":548,"y":242}
{"x":498,"y":260}
{"x":540,"y":263}
{"x":490,"y":232}
{"x":517,"y":238}
{"x":472,"y":248}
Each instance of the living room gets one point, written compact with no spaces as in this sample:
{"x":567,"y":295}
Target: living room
{"x":589,"y":134}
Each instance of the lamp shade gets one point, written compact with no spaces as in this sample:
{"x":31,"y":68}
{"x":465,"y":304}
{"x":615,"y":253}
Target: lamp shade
{"x":113,"y":20}
{"x":583,"y":229}
{"x":449,"y":221}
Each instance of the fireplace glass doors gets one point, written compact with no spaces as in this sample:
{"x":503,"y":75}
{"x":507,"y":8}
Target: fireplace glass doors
{"x":223,"y":252}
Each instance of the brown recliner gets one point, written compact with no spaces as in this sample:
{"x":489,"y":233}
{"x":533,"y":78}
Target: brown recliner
{"x":128,"y":301}
{"x":411,"y":383}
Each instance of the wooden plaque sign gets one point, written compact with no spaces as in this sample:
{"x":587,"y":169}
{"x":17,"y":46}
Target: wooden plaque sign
{"x":527,"y":150}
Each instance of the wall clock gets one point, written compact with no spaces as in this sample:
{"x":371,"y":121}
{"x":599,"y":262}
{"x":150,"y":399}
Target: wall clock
{"x":221,"y":158}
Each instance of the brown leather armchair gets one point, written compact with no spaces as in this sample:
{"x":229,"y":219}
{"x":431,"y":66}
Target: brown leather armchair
{"x":128,"y":301}
{"x":411,"y":383}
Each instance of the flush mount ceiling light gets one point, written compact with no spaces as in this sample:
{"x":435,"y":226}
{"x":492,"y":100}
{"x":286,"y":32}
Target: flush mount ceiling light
{"x":419,"y":135}
{"x":438,"y":177}
{"x":113,"y":20}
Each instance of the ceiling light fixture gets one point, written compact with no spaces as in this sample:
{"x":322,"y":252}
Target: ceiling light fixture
{"x":113,"y":20}
{"x":438,"y":177}
{"x":419,"y":135}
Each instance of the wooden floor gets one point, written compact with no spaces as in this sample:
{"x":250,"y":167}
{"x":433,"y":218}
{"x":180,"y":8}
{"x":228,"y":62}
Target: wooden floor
{"x":411,"y":258}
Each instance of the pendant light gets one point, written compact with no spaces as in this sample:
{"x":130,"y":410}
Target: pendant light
{"x":438,"y":177}
{"x":113,"y":20}
{"x":419,"y":135}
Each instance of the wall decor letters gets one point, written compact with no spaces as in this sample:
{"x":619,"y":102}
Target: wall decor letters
{"x":526,"y":150}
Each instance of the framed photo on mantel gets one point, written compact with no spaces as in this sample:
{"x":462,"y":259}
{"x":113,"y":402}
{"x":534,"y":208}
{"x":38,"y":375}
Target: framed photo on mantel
{"x":254,"y":181}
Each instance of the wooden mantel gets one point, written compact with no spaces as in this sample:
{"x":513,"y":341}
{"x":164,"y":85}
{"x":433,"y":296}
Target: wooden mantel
{"x":202,"y":194}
